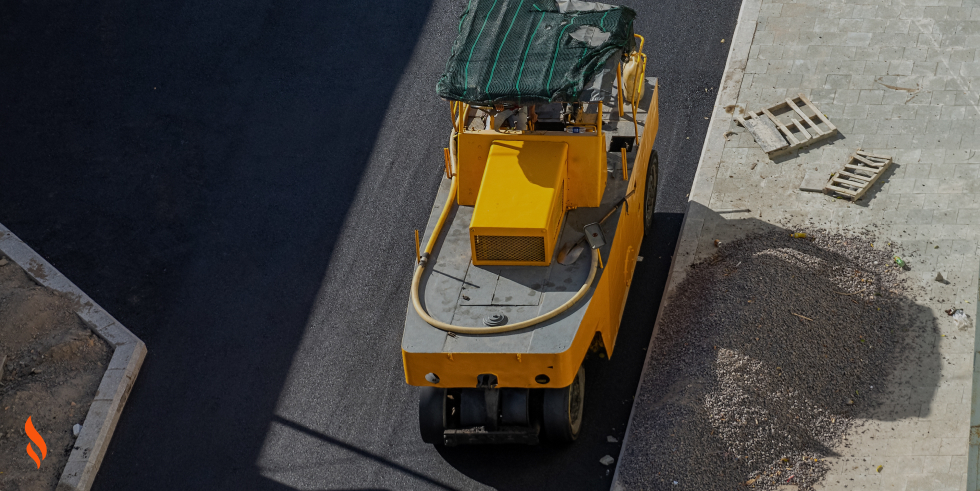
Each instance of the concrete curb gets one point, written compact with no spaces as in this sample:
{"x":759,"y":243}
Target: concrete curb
{"x":127,"y":357}
{"x":973,"y":455}
{"x":704,"y":179}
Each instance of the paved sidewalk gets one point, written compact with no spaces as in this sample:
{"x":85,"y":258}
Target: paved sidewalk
{"x":899,"y":78}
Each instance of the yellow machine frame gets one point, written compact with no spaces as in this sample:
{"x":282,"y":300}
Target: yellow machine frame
{"x":603,"y":315}
{"x":585,"y":183}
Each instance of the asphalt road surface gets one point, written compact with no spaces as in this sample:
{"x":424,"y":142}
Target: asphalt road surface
{"x":237,"y":182}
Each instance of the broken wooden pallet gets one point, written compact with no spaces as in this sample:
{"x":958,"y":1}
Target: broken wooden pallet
{"x":859,"y":174}
{"x":778,"y":130}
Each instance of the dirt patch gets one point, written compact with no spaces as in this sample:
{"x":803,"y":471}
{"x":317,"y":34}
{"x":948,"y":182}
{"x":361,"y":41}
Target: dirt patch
{"x":54,"y":366}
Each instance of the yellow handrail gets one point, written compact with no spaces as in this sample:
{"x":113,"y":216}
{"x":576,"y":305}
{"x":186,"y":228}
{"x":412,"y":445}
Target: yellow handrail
{"x":619,"y":87}
{"x":459,"y":124}
{"x":641,"y":61}
{"x":622,"y":152}
{"x":452,"y":113}
{"x":640,"y":58}
{"x":418,"y":256}
{"x":449,"y":171}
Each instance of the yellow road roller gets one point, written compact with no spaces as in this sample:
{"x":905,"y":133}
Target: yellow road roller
{"x":550,"y":184}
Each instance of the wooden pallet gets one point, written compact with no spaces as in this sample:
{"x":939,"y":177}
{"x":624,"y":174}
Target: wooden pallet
{"x":787,"y":126}
{"x":859,"y":174}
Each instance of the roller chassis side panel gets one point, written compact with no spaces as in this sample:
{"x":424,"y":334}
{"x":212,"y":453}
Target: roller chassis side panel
{"x":603,"y":311}
{"x":629,"y":237}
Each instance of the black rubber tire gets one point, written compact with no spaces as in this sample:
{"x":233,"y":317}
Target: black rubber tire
{"x":472,"y":408}
{"x":650,"y":200}
{"x":432,"y":414}
{"x":514,"y":407}
{"x":562,"y":418}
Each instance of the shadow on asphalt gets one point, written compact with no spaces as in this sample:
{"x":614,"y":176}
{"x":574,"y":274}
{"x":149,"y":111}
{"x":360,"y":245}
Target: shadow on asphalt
{"x":190,"y":166}
{"x":379,"y":459}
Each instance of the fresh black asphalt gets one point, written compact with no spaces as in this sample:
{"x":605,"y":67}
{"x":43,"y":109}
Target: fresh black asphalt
{"x":237,"y":182}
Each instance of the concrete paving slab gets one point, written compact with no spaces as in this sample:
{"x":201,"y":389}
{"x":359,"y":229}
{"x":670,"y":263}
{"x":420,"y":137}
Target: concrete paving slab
{"x":900,"y":80}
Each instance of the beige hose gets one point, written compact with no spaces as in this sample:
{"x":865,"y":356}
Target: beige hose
{"x":430,"y":245}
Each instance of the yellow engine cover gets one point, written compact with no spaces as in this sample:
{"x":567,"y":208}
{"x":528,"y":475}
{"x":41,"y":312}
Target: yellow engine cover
{"x":521,"y":203}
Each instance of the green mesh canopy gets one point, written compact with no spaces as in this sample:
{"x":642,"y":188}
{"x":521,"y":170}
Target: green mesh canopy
{"x":533,"y":51}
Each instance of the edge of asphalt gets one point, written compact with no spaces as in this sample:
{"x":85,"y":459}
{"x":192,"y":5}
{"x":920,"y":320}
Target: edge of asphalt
{"x":127,"y":357}
{"x":704,"y":178}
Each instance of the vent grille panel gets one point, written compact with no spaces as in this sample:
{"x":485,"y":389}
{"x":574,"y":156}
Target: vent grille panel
{"x":556,"y":215}
{"x":509,"y":248}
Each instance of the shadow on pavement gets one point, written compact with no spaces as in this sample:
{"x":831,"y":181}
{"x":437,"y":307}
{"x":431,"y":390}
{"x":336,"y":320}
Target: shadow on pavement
{"x":720,"y":380}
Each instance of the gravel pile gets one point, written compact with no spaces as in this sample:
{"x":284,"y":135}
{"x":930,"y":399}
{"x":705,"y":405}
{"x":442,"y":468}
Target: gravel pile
{"x":764,"y":356}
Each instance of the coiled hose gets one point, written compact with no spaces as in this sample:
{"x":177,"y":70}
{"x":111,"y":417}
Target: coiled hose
{"x":430,"y":245}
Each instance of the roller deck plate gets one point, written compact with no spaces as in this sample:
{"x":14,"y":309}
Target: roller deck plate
{"x":455,"y":290}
